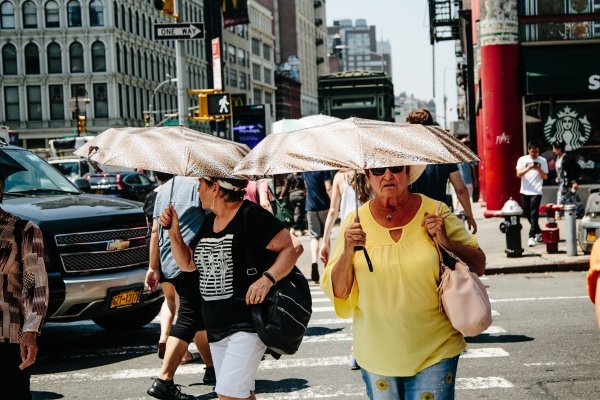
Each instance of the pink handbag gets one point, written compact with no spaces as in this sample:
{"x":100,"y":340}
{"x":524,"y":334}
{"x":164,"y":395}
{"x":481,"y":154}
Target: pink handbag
{"x":463,"y":297}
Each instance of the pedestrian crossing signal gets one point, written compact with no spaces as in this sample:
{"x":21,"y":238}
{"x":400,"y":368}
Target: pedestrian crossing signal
{"x":147,"y":119}
{"x":219,"y":104}
{"x":81,"y":124}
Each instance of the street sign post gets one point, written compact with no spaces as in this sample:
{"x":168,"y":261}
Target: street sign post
{"x":185,"y":30}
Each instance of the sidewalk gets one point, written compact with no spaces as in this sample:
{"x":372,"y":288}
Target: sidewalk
{"x":493,"y":244}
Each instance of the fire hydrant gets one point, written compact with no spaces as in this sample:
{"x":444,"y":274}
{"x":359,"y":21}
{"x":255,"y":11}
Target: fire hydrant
{"x":511,"y":226}
{"x":550,"y":233}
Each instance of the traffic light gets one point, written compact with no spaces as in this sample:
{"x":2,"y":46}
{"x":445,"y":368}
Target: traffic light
{"x":166,"y":7}
{"x":81,"y":124}
{"x":147,"y":119}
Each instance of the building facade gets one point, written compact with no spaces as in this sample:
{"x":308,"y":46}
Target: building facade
{"x":354,"y":47}
{"x":98,"y":56}
{"x":531,"y":74}
{"x":262,"y":55}
{"x":301,"y":38}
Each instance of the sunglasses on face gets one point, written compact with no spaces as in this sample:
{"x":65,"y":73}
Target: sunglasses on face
{"x":381,"y":171}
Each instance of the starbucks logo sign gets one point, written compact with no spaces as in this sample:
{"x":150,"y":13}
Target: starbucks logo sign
{"x":568,"y":127}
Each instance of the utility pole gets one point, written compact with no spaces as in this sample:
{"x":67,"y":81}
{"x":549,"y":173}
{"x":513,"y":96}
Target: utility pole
{"x":181,"y":67}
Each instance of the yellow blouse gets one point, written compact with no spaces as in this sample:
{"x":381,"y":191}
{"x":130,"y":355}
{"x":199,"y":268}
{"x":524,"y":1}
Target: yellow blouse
{"x":397,"y":325}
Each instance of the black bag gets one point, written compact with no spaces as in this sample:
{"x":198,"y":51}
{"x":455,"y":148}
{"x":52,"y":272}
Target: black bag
{"x":282,"y":318}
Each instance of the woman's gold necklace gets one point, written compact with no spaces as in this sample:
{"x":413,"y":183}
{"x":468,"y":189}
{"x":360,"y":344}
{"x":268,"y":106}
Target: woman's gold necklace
{"x":391,"y":215}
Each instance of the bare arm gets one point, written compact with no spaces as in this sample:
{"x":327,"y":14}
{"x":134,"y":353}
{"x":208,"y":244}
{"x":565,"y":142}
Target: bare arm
{"x":342,"y":274}
{"x":265,"y":199}
{"x":182,"y":254}
{"x":332,"y":214}
{"x":153,"y":274}
{"x":475,"y":258}
{"x":463,"y":196}
{"x":523,"y":171}
{"x":597,"y":301}
{"x":288,"y":249}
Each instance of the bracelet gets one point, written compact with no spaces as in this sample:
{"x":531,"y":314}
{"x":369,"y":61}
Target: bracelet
{"x":270,"y":277}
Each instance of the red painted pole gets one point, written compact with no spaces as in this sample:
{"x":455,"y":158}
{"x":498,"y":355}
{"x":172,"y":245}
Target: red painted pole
{"x":501,"y":101}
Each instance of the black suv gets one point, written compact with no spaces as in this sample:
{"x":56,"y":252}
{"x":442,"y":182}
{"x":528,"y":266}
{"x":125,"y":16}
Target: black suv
{"x":95,"y":246}
{"x":128,"y":185}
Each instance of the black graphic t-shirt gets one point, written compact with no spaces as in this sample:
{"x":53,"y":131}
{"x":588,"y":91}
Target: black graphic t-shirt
{"x":224,"y":273}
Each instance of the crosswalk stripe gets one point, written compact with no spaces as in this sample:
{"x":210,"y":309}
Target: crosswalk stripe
{"x":494,"y":330}
{"x":484,"y":352}
{"x":317,"y":392}
{"x":323,"y":300}
{"x":495,"y":313}
{"x":537,"y":299}
{"x":489,"y":382}
{"x":329,"y":321}
{"x":322,"y":309}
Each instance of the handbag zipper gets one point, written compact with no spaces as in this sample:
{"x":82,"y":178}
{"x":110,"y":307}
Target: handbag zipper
{"x":292,"y":317}
{"x":299,"y":305}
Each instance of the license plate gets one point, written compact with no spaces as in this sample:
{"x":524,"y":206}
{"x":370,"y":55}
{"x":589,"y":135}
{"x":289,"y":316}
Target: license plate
{"x":99,"y":191}
{"x":591,"y":236}
{"x":125,"y":298}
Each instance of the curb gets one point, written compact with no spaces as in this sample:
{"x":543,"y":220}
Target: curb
{"x":537,"y":268}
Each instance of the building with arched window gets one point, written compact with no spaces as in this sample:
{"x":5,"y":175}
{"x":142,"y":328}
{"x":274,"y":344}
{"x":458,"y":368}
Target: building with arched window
{"x":95,"y":55}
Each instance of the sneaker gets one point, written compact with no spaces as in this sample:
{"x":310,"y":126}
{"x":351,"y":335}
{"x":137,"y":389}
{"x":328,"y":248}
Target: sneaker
{"x":538,"y":238}
{"x":531,"y":242}
{"x":210,"y":378}
{"x":353,"y":364}
{"x":167,"y":390}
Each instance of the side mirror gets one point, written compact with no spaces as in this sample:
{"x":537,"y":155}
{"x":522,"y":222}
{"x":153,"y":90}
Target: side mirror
{"x":83,"y":185}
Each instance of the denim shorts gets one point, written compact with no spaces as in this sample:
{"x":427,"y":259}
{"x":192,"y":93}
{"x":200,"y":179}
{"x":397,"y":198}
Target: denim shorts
{"x":433,"y":383}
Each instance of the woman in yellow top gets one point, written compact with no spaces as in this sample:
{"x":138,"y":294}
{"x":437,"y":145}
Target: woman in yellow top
{"x":406,"y":347}
{"x":593,"y":278}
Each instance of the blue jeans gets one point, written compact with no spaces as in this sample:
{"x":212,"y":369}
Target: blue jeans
{"x":433,"y":383}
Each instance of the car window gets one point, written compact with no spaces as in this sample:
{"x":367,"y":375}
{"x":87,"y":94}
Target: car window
{"x":144,"y":180}
{"x":85,"y":168}
{"x":133,"y":179}
{"x":39,"y":175}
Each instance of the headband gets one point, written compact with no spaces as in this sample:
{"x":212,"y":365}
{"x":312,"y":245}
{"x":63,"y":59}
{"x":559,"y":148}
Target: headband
{"x":226,"y":185}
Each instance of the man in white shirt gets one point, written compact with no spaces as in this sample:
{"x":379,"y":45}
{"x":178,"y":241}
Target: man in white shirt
{"x":532,"y":169}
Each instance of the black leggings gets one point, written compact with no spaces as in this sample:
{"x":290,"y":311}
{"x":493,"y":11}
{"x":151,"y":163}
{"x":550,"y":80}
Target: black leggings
{"x":189,"y":316}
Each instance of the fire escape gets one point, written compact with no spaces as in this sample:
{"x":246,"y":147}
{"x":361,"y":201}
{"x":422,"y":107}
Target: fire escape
{"x":444,"y":20}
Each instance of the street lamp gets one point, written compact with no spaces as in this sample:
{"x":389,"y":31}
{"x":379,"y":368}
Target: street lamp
{"x":168,"y":80}
{"x":380,"y":55}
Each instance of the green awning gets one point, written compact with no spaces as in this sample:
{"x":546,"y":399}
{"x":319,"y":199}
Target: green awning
{"x":561,"y":69}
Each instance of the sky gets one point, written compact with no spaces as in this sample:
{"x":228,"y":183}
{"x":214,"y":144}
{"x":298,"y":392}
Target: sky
{"x":405,"y":23}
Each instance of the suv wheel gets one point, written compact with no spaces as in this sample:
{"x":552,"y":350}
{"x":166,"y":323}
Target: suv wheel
{"x":129,"y":320}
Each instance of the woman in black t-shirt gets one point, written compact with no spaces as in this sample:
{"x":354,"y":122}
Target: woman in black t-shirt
{"x":229,"y":286}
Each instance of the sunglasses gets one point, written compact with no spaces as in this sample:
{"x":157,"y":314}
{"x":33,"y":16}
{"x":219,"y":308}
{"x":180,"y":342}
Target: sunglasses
{"x":381,"y":171}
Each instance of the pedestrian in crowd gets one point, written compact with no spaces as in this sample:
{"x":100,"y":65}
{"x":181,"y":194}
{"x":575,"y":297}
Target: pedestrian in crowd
{"x":228,"y":287}
{"x":23,"y":300}
{"x":593,"y":279}
{"x":406,"y":347}
{"x":532,"y":169}
{"x":344,"y":203}
{"x":175,"y":339}
{"x":567,"y":175}
{"x":434,"y":180}
{"x":318,"y":192}
{"x":259,"y":193}
{"x":295,"y":190}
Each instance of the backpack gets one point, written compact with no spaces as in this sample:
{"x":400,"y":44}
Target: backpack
{"x":282,"y":318}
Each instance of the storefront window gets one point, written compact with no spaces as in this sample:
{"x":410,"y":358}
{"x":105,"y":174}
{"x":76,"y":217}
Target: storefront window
{"x":559,"y":20}
{"x":574,"y":120}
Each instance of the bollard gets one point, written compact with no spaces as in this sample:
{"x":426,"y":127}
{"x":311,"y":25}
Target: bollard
{"x":571,"y":227}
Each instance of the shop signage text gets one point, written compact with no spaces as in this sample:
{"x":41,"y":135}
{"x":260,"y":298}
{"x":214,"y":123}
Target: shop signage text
{"x":594,"y":82}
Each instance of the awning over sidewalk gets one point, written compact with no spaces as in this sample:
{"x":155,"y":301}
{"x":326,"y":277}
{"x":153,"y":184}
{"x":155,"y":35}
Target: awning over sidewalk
{"x":562,"y":69}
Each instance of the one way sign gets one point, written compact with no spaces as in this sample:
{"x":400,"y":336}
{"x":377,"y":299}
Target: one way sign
{"x":186,"y":30}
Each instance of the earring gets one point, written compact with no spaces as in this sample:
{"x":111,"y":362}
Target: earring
{"x":212,"y":204}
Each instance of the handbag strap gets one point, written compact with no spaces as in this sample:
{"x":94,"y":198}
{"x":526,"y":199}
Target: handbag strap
{"x":275,"y":199}
{"x":439,"y":247}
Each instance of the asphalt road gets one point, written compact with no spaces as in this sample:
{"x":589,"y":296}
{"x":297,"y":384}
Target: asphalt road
{"x":544,"y":344}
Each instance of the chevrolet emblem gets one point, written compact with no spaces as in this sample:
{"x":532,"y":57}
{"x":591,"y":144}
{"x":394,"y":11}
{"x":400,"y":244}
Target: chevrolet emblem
{"x":117,"y":244}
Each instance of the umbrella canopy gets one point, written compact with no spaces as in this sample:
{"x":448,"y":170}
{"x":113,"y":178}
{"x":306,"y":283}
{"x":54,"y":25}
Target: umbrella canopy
{"x":9,"y":166}
{"x":176,"y":150}
{"x":287,"y":125}
{"x":353,"y":143}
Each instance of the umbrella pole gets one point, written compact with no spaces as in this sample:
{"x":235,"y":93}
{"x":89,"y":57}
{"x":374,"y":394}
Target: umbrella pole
{"x":359,"y":248}
{"x":171,"y":198}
